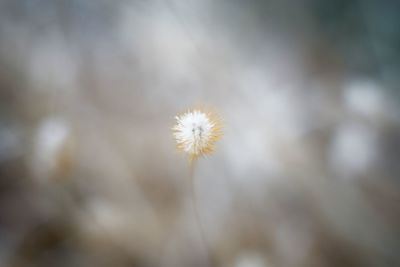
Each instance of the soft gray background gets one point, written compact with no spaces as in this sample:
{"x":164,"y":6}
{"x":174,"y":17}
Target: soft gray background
{"x":307,"y":173}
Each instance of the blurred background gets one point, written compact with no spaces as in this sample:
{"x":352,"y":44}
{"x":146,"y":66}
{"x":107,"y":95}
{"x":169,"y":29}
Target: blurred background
{"x":307,"y":173}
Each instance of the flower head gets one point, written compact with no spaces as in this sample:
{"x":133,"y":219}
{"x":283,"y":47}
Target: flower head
{"x":196,"y":132}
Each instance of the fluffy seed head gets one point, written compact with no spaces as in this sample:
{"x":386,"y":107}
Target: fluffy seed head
{"x":196,"y":132}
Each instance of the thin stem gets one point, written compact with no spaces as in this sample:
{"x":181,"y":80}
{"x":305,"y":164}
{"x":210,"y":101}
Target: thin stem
{"x":195,"y":209}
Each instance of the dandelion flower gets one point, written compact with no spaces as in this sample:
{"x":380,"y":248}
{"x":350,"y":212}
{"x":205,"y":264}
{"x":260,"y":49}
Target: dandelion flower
{"x":196,"y":132}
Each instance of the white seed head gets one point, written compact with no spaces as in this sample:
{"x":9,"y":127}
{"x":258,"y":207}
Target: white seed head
{"x":196,"y":132}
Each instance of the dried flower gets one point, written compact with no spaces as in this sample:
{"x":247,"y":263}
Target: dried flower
{"x":196,"y":132}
